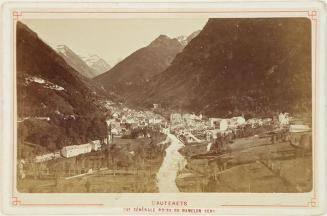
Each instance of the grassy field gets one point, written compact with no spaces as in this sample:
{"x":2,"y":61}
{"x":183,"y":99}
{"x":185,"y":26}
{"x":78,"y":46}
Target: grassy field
{"x":254,"y":165}
{"x":130,"y":166}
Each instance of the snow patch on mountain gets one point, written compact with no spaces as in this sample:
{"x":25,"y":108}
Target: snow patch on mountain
{"x":96,"y":63}
{"x":90,"y":60}
{"x":62,"y":49}
{"x":182,"y":39}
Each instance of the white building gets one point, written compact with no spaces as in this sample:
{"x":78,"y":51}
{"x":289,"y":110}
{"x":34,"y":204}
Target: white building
{"x":165,"y":130}
{"x":131,"y":121}
{"x":74,"y":150}
{"x":218,"y":123}
{"x":283,"y":119}
{"x":115,"y":131}
{"x":115,"y":115}
{"x":175,"y":118}
{"x":143,"y":123}
{"x":96,"y":145}
{"x":155,"y":120}
{"x":110,"y":121}
{"x":190,"y":138}
{"x":299,"y":128}
{"x":255,"y":122}
{"x":188,"y":117}
{"x":44,"y":157}
{"x":236,"y":121}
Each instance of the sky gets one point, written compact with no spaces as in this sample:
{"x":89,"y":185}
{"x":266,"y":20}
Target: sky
{"x":111,"y":39}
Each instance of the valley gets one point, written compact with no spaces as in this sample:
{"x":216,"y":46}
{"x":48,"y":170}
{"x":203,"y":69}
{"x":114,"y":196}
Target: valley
{"x":211,"y":111}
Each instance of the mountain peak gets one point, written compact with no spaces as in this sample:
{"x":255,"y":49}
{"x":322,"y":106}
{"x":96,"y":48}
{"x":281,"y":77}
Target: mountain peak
{"x":163,"y":40}
{"x":97,"y":63}
{"x":184,"y":40}
{"x":163,"y":37}
{"x":140,"y":66}
{"x":63,"y":49}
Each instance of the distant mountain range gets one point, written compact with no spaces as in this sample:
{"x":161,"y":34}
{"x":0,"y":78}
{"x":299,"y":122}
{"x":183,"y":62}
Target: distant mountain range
{"x":89,"y":67}
{"x":234,"y":66}
{"x":139,"y":67}
{"x":56,"y":105}
{"x":98,"y":64}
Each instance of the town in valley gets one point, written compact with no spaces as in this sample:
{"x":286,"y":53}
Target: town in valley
{"x":207,"y":112}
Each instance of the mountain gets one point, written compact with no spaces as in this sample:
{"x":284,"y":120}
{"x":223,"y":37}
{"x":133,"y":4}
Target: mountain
{"x":184,"y":40}
{"x":140,"y":66}
{"x":246,"y":65}
{"x":56,"y":105}
{"x":191,"y":36}
{"x":98,"y":64}
{"x":75,"y":61}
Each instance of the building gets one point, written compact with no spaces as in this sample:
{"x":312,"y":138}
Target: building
{"x":190,"y":138}
{"x":96,"y":145}
{"x":44,"y":157}
{"x":143,"y":123}
{"x":213,"y":134}
{"x":155,"y":120}
{"x":115,"y":115}
{"x":299,"y":128}
{"x":115,"y":131}
{"x":236,"y":121}
{"x":131,"y":121}
{"x":218,"y":123}
{"x":165,"y":130}
{"x":255,"y":122}
{"x":175,"y":118}
{"x":74,"y":150}
{"x":110,"y":121}
{"x":189,"y":117}
{"x":283,"y":119}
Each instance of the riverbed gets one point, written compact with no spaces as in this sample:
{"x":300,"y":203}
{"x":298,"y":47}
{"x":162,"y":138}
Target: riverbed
{"x":172,"y":163}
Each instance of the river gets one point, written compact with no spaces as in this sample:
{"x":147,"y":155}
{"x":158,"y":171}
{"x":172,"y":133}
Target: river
{"x":172,"y":163}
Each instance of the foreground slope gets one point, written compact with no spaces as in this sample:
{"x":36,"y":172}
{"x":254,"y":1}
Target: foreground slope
{"x":56,"y":105}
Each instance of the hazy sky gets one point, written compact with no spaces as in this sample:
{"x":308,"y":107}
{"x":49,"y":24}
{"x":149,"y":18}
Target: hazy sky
{"x":111,"y":39}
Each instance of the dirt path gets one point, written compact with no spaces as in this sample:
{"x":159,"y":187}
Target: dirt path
{"x":173,"y":162}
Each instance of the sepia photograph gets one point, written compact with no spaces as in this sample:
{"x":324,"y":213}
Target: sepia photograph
{"x":164,"y":105}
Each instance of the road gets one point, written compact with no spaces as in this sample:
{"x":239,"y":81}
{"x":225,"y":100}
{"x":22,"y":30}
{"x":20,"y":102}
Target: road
{"x":172,"y":163}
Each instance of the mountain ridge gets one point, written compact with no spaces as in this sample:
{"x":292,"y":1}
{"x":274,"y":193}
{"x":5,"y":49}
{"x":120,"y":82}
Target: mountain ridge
{"x":138,"y":67}
{"x":223,"y":70}
{"x":56,"y":105}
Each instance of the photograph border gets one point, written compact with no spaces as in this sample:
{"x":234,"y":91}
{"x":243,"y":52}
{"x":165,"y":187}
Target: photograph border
{"x":313,"y":14}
